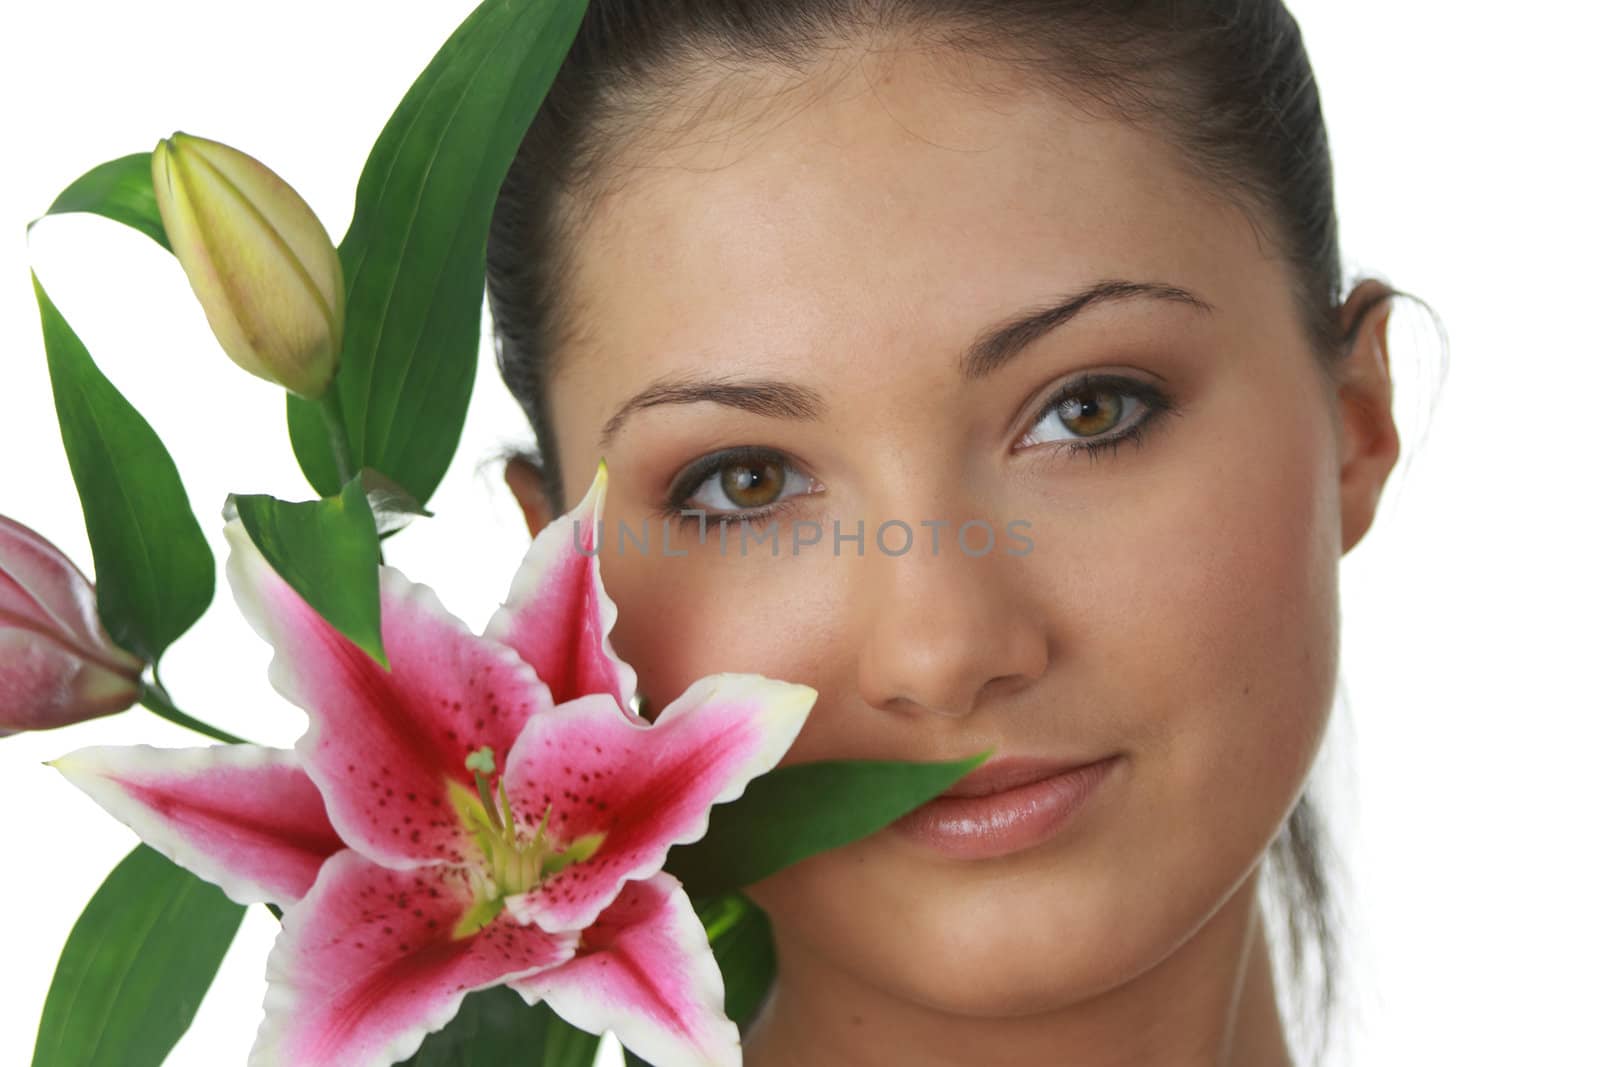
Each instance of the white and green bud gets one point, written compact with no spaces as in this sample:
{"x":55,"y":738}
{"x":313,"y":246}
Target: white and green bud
{"x":262,"y":265}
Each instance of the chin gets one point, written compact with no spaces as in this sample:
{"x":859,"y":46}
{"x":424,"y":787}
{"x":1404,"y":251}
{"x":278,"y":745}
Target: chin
{"x":1011,"y":989}
{"x":1034,"y":934}
{"x":1037,"y":942}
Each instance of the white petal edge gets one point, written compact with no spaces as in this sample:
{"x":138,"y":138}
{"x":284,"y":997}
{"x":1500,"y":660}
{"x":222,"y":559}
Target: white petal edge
{"x":641,"y":1036}
{"x":89,"y":769}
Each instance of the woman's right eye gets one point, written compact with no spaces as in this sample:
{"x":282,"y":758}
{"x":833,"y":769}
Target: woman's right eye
{"x":738,"y":483}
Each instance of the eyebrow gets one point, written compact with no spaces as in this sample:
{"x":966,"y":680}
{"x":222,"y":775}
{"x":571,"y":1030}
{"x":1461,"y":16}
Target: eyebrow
{"x":771,"y":397}
{"x":991,"y":350}
{"x":998,"y":345}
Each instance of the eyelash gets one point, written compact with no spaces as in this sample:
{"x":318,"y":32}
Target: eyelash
{"x":696,"y":474}
{"x":1157,"y":404}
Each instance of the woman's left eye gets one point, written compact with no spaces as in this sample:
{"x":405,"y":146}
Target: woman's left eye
{"x":1095,"y":413}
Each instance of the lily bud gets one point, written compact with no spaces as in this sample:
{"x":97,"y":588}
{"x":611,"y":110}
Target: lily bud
{"x":57,"y":664}
{"x":265,"y":270}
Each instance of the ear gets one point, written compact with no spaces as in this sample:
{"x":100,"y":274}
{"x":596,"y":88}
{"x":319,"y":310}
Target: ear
{"x":1369,"y":443}
{"x":526,"y":482}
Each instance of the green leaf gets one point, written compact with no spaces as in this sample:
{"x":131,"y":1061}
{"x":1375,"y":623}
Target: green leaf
{"x":120,"y":190}
{"x":392,"y":507}
{"x":414,"y":255}
{"x":496,"y":1026}
{"x":154,"y":575}
{"x":796,"y":811}
{"x":137,"y":963}
{"x":741,"y":940}
{"x":567,"y":1046}
{"x":327,"y":550}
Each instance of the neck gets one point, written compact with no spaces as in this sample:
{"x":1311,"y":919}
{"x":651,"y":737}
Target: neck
{"x":1211,"y":1003}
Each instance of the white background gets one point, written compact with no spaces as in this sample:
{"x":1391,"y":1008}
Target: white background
{"x":1461,"y":137}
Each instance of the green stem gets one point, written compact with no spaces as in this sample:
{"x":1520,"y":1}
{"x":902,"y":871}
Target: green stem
{"x":339,"y":440}
{"x":338,"y":433}
{"x":156,"y":699}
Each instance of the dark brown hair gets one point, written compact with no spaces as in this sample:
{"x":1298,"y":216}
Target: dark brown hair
{"x":1226,"y":82}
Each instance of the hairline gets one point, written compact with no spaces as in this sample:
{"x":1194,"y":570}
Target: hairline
{"x":712,"y":87}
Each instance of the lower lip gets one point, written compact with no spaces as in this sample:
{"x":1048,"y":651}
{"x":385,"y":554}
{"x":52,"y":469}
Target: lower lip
{"x":975,"y":828}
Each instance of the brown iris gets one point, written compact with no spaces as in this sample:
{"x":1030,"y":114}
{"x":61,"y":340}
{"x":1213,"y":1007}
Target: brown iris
{"x":1090,"y":413}
{"x":752,"y":485}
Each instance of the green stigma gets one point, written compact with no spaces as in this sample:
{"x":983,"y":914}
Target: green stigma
{"x":481,"y":761}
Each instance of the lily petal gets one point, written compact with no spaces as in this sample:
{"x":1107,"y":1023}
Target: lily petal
{"x":646,"y":788}
{"x":646,"y":972}
{"x":382,"y":746}
{"x":367,"y":965}
{"x":558,"y":616}
{"x":243,"y":817}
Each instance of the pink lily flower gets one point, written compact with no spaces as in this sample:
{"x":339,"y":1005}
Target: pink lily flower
{"x":58,"y":665}
{"x":487,"y":812}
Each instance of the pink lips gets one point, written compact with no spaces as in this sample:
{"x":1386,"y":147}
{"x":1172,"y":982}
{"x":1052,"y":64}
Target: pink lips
{"x":1004,"y":806}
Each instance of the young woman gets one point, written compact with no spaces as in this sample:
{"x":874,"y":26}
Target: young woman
{"x":883,"y":283}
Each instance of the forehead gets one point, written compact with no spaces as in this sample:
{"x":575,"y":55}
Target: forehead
{"x":903,"y":197}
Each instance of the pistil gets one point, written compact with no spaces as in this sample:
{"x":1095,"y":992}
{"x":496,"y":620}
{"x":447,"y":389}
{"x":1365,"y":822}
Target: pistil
{"x":481,"y":764}
{"x":511,"y":865}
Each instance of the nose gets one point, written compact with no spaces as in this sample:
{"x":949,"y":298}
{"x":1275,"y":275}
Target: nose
{"x":946,"y":632}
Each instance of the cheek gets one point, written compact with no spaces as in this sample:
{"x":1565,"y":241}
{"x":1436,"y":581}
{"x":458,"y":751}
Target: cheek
{"x":1227,"y":628}
{"x":680,"y":618}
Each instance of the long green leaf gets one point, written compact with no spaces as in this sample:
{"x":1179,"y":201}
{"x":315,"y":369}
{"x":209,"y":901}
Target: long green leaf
{"x":414,"y":255}
{"x":567,"y":1046}
{"x":494,"y":1026}
{"x":797,"y":811}
{"x":154,"y":574}
{"x":327,"y":550}
{"x":120,"y":190}
{"x":497,"y":1028}
{"x":137,"y":963}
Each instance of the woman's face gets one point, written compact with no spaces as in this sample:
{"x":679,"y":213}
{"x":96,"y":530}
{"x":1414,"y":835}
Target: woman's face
{"x":827,"y":256}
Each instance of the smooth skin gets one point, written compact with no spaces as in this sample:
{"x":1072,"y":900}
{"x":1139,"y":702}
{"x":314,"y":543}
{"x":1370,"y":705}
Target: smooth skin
{"x":850,"y":234}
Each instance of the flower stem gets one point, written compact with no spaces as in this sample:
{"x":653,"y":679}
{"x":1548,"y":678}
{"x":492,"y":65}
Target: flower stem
{"x":339,"y":441}
{"x":338,"y":433}
{"x":154,"y":697}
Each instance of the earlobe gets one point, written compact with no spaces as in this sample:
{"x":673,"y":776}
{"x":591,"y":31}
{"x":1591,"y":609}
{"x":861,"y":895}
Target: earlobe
{"x":1369,"y":443}
{"x":527,"y":484}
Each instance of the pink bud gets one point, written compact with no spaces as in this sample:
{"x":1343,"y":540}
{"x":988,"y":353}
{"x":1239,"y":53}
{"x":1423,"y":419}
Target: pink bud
{"x":58,"y":666}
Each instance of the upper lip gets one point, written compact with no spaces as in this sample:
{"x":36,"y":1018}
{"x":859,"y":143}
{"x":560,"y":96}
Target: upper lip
{"x":1010,"y":772}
